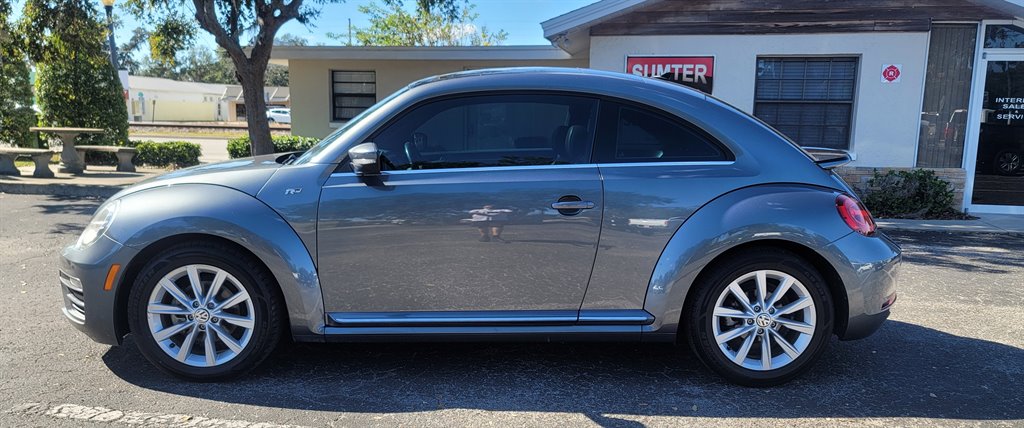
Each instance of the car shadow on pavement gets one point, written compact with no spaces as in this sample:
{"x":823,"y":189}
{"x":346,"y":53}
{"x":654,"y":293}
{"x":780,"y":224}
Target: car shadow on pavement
{"x":904,"y":370}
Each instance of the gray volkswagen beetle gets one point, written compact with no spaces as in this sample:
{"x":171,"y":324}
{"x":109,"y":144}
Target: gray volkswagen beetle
{"x":513,"y":204}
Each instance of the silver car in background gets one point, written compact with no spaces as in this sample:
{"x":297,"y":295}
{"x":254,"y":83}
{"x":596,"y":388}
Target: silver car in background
{"x":511,"y":204}
{"x":279,"y":115}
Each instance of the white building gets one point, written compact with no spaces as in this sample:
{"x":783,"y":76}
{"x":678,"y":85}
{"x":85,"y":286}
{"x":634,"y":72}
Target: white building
{"x":900,"y":84}
{"x":154,"y":99}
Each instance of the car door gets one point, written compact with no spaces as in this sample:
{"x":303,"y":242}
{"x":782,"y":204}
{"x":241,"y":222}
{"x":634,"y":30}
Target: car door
{"x":463,"y":222}
{"x":657,"y":169}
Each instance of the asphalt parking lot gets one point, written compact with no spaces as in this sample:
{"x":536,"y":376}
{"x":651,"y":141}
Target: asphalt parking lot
{"x":951,"y":354}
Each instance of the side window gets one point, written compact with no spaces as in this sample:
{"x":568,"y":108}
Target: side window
{"x":640,"y":135}
{"x":490,"y":131}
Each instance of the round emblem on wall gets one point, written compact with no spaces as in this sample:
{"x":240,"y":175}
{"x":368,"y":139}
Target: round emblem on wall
{"x":891,"y":73}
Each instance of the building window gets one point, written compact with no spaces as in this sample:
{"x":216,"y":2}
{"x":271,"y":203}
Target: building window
{"x":947,"y":92}
{"x":1004,"y":36}
{"x":810,"y":100}
{"x":351,"y":93}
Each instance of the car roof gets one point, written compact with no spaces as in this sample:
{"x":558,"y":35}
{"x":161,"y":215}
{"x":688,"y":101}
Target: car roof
{"x":550,"y":78}
{"x":729,"y":125}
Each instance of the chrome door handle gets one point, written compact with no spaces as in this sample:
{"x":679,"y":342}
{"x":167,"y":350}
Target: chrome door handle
{"x":573,"y":205}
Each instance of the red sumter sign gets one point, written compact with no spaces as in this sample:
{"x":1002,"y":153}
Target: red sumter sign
{"x":697,"y":72}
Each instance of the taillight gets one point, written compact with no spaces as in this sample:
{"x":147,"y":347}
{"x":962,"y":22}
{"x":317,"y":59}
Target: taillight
{"x":855,"y":215}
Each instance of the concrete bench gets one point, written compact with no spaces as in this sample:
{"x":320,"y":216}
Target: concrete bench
{"x":124,"y":155}
{"x":40,"y":156}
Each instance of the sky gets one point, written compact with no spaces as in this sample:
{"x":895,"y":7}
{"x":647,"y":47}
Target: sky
{"x":520,"y":18}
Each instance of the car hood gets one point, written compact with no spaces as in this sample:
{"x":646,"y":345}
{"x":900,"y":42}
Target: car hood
{"x":247,"y":175}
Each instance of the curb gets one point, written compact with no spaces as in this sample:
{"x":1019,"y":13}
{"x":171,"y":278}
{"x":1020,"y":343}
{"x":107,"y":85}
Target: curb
{"x":960,"y":227}
{"x":74,"y":190}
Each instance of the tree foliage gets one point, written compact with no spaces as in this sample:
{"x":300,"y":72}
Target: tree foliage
{"x":432,"y":23}
{"x":75,"y":83}
{"x":245,"y":29}
{"x":198,"y":64}
{"x":126,"y":52}
{"x":16,"y":114}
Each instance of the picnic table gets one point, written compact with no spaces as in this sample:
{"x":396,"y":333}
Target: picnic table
{"x":72,"y":163}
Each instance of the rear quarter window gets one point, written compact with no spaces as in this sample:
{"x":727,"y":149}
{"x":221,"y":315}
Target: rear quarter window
{"x":636,"y":134}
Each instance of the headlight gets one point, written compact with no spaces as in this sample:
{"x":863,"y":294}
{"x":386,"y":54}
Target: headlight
{"x":99,"y":223}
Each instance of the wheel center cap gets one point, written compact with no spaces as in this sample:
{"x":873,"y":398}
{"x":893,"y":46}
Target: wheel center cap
{"x":762,"y":320}
{"x":201,"y":315}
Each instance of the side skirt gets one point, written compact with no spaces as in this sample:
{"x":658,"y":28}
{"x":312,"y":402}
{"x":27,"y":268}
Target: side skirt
{"x":529,"y":326}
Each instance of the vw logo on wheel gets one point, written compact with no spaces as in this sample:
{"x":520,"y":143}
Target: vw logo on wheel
{"x":762,"y":320}
{"x":203,"y":315}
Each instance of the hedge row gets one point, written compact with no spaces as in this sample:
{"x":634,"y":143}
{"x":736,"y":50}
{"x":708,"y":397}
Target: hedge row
{"x":240,"y":147}
{"x":178,"y":154}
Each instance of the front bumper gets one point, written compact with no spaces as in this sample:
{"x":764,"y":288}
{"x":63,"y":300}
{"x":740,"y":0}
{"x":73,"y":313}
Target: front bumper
{"x":868,"y":267}
{"x":82,"y":274}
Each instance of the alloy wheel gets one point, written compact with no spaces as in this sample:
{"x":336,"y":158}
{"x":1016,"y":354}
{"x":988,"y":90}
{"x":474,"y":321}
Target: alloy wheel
{"x":1008,"y":162}
{"x":201,"y":315}
{"x":764,"y":320}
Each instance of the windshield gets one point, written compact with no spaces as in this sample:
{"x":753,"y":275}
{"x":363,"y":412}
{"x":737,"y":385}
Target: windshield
{"x":336,"y":135}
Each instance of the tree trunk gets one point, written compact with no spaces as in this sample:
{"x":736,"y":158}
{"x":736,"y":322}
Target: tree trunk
{"x":256,"y":113}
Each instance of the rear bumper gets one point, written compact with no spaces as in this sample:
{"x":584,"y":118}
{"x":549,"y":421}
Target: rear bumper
{"x":868,"y":267}
{"x":83,"y":271}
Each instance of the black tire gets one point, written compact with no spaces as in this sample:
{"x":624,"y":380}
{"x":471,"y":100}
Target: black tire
{"x":252,"y":275}
{"x":698,"y":319}
{"x":1008,"y":162}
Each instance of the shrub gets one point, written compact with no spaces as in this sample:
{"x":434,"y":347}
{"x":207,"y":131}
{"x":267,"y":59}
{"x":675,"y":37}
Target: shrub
{"x":240,"y":147}
{"x":178,"y":154}
{"x":909,"y":194}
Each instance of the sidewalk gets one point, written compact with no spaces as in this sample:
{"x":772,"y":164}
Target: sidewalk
{"x":97,"y":181}
{"x":986,"y":223}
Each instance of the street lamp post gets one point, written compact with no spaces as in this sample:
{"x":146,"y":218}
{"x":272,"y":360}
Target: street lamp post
{"x":109,"y":6}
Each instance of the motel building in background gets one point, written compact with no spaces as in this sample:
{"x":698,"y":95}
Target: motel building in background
{"x":901,"y":84}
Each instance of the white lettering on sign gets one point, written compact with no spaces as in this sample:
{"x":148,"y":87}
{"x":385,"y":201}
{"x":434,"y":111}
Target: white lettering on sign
{"x":691,"y":73}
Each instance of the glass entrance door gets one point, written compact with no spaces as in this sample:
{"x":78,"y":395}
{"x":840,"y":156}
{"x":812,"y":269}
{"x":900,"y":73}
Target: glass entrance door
{"x":999,"y":170}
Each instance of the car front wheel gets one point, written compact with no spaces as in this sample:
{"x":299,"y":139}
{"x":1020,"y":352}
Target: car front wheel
{"x":761,"y":318}
{"x":204,"y":311}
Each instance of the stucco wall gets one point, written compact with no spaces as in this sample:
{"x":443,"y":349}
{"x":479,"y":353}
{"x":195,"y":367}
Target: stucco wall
{"x":886,"y":117}
{"x":310,"y":83}
{"x":175,"y":106}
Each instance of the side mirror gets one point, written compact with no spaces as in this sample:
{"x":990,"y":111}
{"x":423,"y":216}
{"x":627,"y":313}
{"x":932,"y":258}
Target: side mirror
{"x":365,"y":159}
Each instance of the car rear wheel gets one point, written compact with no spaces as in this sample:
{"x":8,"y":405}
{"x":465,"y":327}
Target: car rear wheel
{"x":1008,"y":162}
{"x":204,"y":311}
{"x":761,"y":318}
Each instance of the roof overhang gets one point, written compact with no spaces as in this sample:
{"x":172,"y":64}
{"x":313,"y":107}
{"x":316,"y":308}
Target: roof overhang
{"x":1015,"y":7}
{"x":282,"y":54}
{"x":571,"y":31}
{"x":584,"y":16}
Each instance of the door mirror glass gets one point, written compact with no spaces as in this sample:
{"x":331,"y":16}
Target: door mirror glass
{"x":365,"y":159}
